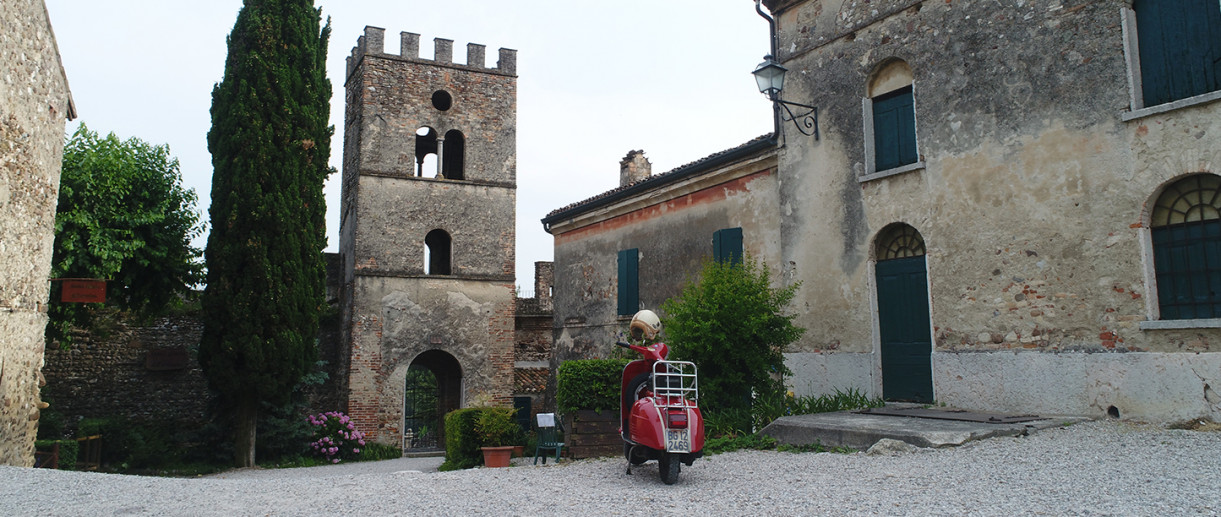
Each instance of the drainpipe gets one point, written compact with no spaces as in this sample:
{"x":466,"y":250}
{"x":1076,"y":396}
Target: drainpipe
{"x":771,"y":24}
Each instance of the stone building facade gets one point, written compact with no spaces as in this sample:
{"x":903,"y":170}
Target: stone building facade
{"x":34,"y":105}
{"x":1011,"y":207}
{"x":633,"y":247}
{"x":427,"y":234}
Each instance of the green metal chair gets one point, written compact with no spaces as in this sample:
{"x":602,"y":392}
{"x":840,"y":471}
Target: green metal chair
{"x":549,"y":429}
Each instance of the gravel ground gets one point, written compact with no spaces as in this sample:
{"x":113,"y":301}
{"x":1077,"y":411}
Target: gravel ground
{"x":1094,"y":468}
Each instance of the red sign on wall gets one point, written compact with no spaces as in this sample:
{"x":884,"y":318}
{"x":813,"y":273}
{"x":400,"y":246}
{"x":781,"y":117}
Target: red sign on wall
{"x":84,"y":291}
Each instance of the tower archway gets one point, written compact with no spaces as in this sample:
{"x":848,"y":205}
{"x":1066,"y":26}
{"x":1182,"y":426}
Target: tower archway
{"x":433,"y":388}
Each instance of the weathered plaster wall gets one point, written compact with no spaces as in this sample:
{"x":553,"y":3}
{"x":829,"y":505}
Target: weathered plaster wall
{"x":395,"y":215}
{"x":398,"y":319}
{"x":817,"y":373}
{"x":34,"y":104}
{"x":674,"y":237}
{"x":1031,"y":200}
{"x":1017,"y":122}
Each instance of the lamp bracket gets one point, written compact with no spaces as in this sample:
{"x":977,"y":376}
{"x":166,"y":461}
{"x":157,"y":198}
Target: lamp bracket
{"x":806,"y":122}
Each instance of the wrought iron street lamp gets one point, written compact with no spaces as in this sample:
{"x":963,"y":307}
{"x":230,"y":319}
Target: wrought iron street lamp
{"x":770,"y":77}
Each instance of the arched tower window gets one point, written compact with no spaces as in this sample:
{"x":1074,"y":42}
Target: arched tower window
{"x":899,"y":241}
{"x":890,"y":118}
{"x":437,"y":253}
{"x":425,"y":150}
{"x":1186,"y":231}
{"x":452,"y":155}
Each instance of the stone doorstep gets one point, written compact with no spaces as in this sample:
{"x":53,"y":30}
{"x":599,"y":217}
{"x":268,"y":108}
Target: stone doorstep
{"x":861,"y":431}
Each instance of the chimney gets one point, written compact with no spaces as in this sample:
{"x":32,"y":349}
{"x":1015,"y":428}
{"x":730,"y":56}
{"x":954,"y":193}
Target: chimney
{"x":633,"y":168}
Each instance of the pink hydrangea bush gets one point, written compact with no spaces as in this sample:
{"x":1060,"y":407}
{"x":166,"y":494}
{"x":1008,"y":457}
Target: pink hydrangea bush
{"x":335,"y":436}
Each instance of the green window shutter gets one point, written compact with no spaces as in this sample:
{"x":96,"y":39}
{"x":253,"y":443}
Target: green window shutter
{"x":629,"y":281}
{"x":727,"y":245}
{"x":1187,"y":258}
{"x":894,"y":129}
{"x":1180,"y":48}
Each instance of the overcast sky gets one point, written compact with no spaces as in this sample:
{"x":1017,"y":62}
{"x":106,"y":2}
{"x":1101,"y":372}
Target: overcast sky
{"x":596,"y":79}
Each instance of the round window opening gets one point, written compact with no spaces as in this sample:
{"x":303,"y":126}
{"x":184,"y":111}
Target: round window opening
{"x":441,"y":100}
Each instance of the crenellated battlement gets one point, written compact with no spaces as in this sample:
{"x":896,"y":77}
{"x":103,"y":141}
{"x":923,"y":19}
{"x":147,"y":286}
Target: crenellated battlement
{"x":373,"y":43}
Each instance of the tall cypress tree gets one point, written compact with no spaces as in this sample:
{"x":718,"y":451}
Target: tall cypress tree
{"x":270,"y":143}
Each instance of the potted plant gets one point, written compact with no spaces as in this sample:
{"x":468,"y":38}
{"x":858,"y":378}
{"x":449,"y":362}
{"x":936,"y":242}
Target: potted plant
{"x":496,"y":429}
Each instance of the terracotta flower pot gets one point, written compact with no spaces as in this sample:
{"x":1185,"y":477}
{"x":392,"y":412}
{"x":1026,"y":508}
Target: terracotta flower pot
{"x":496,"y":456}
{"x":519,"y":451}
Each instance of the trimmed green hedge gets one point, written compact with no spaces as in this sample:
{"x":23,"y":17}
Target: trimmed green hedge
{"x":588,"y":384}
{"x":461,"y":442}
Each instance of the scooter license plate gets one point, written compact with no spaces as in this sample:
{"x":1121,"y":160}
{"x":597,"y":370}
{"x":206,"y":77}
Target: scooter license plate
{"x":678,"y":440}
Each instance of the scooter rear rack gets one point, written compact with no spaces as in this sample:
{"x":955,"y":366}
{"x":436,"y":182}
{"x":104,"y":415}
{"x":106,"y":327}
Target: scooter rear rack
{"x":675,"y":384}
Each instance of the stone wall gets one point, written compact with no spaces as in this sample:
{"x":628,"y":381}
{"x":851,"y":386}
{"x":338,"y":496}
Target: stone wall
{"x":34,"y":105}
{"x":149,"y":374}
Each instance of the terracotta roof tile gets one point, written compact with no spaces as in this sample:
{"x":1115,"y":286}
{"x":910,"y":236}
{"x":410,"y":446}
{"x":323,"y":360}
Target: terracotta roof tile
{"x":530,"y":380}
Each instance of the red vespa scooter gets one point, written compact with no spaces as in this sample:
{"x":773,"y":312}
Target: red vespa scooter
{"x":659,"y":410}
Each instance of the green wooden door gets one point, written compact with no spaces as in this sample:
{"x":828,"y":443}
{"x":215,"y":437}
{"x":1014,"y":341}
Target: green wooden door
{"x":903,"y":321}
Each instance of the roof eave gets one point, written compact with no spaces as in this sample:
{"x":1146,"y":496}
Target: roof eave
{"x":661,"y":180}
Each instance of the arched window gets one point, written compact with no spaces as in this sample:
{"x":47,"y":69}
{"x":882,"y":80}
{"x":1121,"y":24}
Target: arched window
{"x":452,"y":155}
{"x":437,"y":253}
{"x":425,"y":150}
{"x":890,"y":118}
{"x":1186,"y":232}
{"x":899,"y":241}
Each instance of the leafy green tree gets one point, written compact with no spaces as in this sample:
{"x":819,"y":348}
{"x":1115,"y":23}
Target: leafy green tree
{"x":270,"y":143}
{"x":123,"y":216}
{"x":731,"y":323}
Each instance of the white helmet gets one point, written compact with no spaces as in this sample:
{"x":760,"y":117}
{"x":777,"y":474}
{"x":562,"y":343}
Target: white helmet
{"x":645,"y":325}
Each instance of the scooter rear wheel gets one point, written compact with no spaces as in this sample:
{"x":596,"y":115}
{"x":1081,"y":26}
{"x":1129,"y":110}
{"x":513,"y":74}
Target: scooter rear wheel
{"x":668,"y":466}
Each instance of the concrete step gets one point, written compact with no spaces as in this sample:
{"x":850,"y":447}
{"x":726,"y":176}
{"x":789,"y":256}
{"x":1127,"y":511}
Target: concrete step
{"x":861,"y":431}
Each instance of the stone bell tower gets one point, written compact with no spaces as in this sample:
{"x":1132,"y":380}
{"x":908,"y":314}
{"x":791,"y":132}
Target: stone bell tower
{"x":427,"y":235}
